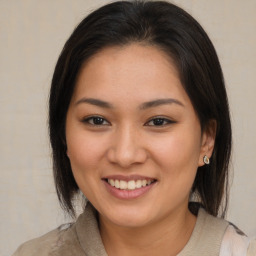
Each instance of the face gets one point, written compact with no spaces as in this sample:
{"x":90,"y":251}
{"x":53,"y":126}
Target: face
{"x":133,"y":138}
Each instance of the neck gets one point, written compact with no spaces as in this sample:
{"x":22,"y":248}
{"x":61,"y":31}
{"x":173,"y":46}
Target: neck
{"x":165,"y":237}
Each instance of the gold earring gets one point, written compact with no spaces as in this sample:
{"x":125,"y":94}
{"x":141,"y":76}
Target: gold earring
{"x":206,"y":160}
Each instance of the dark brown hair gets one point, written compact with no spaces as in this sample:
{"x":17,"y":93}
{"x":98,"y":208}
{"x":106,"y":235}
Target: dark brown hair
{"x":179,"y":35}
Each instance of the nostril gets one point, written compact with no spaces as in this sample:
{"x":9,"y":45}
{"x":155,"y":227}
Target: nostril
{"x":126,"y":157}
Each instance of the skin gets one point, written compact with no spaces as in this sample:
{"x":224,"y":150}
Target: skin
{"x":128,"y":142}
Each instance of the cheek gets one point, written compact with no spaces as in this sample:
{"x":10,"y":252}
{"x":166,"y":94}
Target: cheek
{"x":85,"y":153}
{"x":179,"y":162}
{"x":178,"y":155}
{"x":178,"y":150}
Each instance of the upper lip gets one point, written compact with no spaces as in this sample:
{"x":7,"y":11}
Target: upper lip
{"x":128,"y":177}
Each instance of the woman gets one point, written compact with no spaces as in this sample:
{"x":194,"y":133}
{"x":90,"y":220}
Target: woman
{"x":139,"y":123}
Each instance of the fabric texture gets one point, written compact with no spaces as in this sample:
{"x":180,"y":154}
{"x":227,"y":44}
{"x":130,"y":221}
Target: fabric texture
{"x":211,"y":236}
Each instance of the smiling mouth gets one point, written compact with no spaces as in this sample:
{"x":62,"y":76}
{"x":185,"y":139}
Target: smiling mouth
{"x":129,"y":185}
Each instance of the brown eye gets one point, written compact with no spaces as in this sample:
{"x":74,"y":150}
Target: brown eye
{"x":159,"y":121}
{"x":96,"y":120}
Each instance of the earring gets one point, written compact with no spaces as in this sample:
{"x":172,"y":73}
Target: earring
{"x":206,"y":160}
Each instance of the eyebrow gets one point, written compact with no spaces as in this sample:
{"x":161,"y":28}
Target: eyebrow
{"x":159,"y":102}
{"x":96,"y":102}
{"x":145,"y":105}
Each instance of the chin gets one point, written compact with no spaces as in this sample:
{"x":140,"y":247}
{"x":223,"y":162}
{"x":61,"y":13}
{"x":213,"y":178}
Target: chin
{"x":130,"y":221}
{"x":129,"y":217}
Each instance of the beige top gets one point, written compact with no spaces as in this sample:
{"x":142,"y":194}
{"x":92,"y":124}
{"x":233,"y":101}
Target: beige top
{"x":211,"y":236}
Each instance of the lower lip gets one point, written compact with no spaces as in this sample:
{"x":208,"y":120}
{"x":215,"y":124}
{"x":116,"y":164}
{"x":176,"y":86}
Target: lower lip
{"x":128,"y":194}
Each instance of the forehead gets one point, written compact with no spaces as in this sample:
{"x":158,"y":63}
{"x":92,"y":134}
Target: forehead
{"x":135,"y":70}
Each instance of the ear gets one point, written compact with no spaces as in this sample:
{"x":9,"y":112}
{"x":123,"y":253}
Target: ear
{"x":207,"y":141}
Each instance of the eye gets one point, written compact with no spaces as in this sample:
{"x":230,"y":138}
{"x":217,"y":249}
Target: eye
{"x":96,"y":120}
{"x":159,"y":121}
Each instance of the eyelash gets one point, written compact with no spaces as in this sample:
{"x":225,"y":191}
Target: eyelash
{"x":95,"y":119}
{"x":163,"y":121}
{"x":99,"y":121}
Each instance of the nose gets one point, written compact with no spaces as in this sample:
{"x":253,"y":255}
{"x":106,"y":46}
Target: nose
{"x":127,"y":148}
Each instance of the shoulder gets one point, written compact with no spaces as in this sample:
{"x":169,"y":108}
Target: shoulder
{"x":47,"y":243}
{"x":79,"y":238}
{"x":216,"y":236}
{"x":206,"y":237}
{"x":252,"y":247}
{"x":236,"y":243}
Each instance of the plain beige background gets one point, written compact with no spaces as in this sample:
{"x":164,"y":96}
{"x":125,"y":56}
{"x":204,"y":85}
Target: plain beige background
{"x":32,"y":34}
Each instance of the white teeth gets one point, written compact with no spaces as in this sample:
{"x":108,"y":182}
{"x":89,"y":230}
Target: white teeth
{"x":138,"y":184}
{"x":144,"y":183}
{"x":117,"y":185}
{"x":130,"y":185}
{"x":123,"y":184}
